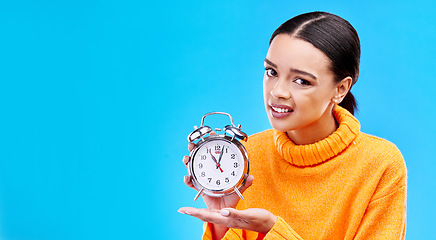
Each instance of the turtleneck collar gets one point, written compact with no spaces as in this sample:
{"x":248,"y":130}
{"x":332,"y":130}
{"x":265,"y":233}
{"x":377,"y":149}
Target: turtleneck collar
{"x":321,"y":151}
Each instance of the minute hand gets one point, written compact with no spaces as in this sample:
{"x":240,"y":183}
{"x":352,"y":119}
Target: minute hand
{"x":217,"y":164}
{"x":221,"y":155}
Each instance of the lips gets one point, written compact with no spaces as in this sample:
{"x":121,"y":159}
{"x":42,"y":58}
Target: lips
{"x":280,"y":111}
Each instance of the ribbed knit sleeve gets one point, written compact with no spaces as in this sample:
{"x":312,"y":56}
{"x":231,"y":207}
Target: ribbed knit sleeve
{"x":282,"y":231}
{"x":207,"y":234}
{"x":232,"y":234}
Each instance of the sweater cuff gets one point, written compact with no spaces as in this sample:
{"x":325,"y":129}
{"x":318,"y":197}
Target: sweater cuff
{"x":230,"y":234}
{"x":281,"y":230}
{"x":207,"y":231}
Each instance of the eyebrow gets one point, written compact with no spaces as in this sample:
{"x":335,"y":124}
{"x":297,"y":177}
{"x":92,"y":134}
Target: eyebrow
{"x":292,"y":69}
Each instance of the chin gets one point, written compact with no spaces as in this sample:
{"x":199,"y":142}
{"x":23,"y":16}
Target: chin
{"x":280,"y":126}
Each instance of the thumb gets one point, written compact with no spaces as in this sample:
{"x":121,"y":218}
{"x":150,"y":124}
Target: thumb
{"x":247,"y":184}
{"x":236,"y":214}
{"x":226,"y":212}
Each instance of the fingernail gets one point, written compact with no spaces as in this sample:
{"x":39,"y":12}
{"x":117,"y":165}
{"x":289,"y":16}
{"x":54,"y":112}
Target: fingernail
{"x":183,"y":212}
{"x":225,"y":212}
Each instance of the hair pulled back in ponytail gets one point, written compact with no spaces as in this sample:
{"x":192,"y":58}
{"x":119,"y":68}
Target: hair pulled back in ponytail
{"x":336,"y":38}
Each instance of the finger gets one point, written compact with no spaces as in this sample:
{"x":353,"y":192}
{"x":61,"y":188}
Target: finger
{"x":188,"y":182}
{"x":186,"y":160}
{"x":206,"y":215}
{"x":191,"y":146}
{"x":247,"y":214}
{"x":191,"y":210}
{"x":256,"y":219}
{"x":247,"y":184}
{"x":235,"y":218}
{"x":225,"y":212}
{"x":187,"y":210}
{"x":231,"y":212}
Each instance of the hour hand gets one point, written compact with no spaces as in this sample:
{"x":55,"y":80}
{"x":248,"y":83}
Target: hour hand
{"x":214,"y":159}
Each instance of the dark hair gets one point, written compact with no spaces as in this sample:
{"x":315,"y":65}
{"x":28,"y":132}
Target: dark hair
{"x":336,"y":38}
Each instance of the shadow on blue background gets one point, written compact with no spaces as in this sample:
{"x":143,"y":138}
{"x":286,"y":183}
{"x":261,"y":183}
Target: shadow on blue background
{"x":97,"y":98}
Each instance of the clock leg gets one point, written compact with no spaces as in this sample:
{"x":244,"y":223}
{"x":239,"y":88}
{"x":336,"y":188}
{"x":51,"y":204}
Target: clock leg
{"x":237,"y":192}
{"x":198,"y":194}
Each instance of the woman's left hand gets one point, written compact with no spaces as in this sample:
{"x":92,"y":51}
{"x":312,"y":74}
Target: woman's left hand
{"x":253,"y":219}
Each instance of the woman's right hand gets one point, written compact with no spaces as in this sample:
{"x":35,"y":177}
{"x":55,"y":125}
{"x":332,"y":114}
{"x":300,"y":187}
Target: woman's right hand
{"x":217,"y":203}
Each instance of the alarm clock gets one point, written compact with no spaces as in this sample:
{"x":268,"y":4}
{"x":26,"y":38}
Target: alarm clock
{"x":218,"y":164}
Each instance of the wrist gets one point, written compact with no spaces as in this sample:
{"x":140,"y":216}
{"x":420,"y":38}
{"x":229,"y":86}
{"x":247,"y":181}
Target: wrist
{"x":270,"y":224}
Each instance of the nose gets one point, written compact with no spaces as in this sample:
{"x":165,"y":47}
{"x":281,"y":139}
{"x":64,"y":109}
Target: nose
{"x":281,"y":89}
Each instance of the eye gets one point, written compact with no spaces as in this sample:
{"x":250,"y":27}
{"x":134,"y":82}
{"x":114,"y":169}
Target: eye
{"x":302,"y":82}
{"x":270,"y":72}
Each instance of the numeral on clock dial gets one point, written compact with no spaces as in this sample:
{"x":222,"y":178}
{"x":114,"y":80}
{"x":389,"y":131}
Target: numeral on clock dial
{"x":219,"y":165}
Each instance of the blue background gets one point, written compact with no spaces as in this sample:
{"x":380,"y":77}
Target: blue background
{"x":97,"y":98}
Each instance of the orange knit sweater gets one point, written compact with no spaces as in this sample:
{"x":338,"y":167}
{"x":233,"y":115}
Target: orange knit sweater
{"x":349,"y":185}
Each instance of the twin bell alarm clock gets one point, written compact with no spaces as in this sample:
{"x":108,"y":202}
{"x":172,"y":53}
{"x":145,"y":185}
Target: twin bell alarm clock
{"x":218,"y":164}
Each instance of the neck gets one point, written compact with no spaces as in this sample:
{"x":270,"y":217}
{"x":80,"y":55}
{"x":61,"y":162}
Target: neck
{"x":316,"y":131}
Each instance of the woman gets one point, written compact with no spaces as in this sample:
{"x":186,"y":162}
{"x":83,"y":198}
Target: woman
{"x":315,"y":175}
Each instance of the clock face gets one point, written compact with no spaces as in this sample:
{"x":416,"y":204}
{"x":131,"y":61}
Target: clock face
{"x":218,"y":165}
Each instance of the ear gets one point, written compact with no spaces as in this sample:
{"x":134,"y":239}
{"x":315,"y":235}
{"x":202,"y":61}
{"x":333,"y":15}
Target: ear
{"x":342,"y":89}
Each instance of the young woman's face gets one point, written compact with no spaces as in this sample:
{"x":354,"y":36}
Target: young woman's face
{"x":298,"y":85}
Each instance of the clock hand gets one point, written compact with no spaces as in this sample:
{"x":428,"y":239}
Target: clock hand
{"x":217,"y":164}
{"x":221,"y":155}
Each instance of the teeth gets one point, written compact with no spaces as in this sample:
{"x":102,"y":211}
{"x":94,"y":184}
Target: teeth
{"x":281,"y":110}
